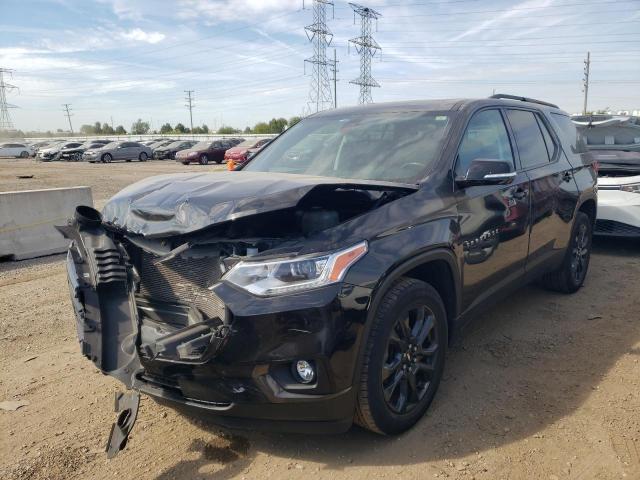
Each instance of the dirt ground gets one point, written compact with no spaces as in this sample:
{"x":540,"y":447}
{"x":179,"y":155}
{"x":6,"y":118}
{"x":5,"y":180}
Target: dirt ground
{"x":542,"y":386}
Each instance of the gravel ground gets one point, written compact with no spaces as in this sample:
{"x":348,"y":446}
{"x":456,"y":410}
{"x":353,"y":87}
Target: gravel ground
{"x":542,"y":386}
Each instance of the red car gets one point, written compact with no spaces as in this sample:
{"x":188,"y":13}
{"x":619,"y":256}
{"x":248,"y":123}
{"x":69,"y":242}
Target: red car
{"x":240,"y":153}
{"x":204,"y":152}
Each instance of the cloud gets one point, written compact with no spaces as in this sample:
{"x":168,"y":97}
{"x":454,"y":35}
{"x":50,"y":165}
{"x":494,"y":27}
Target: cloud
{"x":140,"y":35}
{"x":218,"y":11}
{"x":518,"y":10}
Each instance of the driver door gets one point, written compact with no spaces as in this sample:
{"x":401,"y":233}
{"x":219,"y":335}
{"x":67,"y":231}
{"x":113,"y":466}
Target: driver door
{"x":494,"y":219}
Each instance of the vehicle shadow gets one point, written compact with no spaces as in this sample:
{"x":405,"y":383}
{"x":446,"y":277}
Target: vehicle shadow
{"x":522,"y":366}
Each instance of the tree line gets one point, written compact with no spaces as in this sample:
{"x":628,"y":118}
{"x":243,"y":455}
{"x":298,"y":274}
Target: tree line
{"x":140,"y":127}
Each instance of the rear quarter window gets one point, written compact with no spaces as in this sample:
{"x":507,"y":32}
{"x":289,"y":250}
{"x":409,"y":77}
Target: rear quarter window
{"x":568,"y":133}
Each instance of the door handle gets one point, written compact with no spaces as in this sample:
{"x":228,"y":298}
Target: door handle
{"x":567,"y":176}
{"x":520,"y":193}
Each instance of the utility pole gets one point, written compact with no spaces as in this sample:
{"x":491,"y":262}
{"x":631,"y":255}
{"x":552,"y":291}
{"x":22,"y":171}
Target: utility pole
{"x":366,"y":47}
{"x":5,"y":119}
{"x":68,"y":115}
{"x":190,"y":106}
{"x":335,"y":79}
{"x":320,"y":36}
{"x":585,"y":81}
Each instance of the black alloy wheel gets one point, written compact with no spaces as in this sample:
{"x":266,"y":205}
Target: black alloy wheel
{"x":580,"y":253}
{"x":573,"y":271}
{"x":403,"y":359}
{"x":410,"y":359}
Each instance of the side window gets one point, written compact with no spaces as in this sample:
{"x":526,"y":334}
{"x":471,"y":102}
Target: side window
{"x":529,"y":140}
{"x":125,"y":145}
{"x":486,"y":137}
{"x":568,"y":132}
{"x":217,"y":145}
{"x":548,"y":139}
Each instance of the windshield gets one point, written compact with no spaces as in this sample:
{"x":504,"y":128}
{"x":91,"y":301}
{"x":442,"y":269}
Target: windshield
{"x":389,"y":146}
{"x":202,"y":145}
{"x":111,"y":145}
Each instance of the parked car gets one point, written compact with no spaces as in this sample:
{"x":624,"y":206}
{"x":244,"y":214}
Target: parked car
{"x":204,"y":152}
{"x":52,"y":152}
{"x":618,"y":193}
{"x":74,"y":154}
{"x":309,"y":289}
{"x":12,"y":149}
{"x":169,"y":151}
{"x":118,"y":151}
{"x":240,"y":153}
{"x":161,"y":143}
{"x":38,"y":145}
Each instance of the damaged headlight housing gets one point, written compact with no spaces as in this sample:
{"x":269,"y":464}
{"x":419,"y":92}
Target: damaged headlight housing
{"x":274,"y":277}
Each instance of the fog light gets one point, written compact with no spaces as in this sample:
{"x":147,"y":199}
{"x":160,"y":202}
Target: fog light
{"x":305,"y":371}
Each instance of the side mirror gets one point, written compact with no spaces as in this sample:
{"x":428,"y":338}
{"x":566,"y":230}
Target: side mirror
{"x":483,"y":171}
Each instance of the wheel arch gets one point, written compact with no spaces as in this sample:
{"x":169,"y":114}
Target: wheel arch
{"x":590,"y":207}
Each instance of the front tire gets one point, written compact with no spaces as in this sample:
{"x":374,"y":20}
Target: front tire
{"x":106,"y":158}
{"x":143,"y":157}
{"x":204,"y":160}
{"x":571,"y":274}
{"x":404,"y":358}
{"x":24,"y":154}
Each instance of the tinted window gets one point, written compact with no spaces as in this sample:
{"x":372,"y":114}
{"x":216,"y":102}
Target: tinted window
{"x":548,"y":140}
{"x":568,"y":132}
{"x":486,"y":137}
{"x":529,"y":140}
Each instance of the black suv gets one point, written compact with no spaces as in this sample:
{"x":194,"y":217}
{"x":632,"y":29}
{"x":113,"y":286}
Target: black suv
{"x":322,"y":282}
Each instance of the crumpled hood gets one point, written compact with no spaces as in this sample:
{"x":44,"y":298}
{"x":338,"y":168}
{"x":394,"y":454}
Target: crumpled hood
{"x":176,"y":204}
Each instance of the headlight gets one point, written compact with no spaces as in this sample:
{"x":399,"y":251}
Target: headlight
{"x":275,"y":277}
{"x":633,"y":188}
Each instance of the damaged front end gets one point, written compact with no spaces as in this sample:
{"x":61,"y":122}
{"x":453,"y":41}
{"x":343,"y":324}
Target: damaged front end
{"x":178,"y":293}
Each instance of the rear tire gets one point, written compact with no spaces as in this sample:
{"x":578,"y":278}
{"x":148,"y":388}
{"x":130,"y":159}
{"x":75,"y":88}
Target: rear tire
{"x":185,"y":163}
{"x":404,"y":358}
{"x":571,"y":274}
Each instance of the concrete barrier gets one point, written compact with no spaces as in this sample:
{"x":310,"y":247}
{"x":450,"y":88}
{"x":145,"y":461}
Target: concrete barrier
{"x":27,"y":219}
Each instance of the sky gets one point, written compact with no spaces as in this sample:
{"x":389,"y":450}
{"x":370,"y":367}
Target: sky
{"x":120,"y":60}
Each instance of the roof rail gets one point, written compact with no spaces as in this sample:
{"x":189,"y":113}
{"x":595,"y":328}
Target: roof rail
{"x":523,"y":99}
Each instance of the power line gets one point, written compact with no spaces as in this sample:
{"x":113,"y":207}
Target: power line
{"x":320,"y":97}
{"x":585,"y":82}
{"x":366,"y":46}
{"x":5,"y":119}
{"x":68,"y":114}
{"x":190,"y":106}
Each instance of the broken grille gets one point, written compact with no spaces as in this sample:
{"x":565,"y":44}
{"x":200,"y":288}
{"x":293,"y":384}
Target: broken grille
{"x":183,"y":281}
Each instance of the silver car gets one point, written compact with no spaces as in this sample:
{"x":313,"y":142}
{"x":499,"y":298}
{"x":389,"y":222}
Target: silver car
{"x":118,"y":151}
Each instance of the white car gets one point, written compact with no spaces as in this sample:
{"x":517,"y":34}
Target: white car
{"x":618,"y":193}
{"x":21,"y":150}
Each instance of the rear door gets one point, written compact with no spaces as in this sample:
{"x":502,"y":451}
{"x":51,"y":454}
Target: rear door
{"x":553,"y":191}
{"x":493,"y":219}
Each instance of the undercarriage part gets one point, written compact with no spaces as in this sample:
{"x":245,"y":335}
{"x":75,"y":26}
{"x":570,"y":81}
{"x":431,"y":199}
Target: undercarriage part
{"x":126,"y":406}
{"x":195,"y":343}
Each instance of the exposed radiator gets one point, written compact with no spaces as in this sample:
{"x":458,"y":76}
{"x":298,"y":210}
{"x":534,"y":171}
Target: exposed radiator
{"x":183,"y":281}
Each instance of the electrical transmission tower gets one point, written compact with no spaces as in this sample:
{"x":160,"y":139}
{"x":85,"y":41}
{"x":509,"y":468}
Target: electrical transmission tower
{"x":68,"y":114}
{"x":366,"y":47}
{"x":585,"y":81}
{"x":190,"y":105}
{"x":5,"y":118}
{"x":320,"y":97}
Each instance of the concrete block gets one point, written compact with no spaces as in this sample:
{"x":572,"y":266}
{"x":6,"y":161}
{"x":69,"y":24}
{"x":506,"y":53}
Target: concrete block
{"x":27,"y":220}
